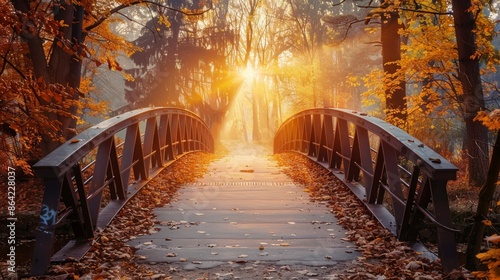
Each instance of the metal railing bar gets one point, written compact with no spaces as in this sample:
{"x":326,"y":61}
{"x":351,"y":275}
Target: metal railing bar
{"x":342,"y":156}
{"x":365,"y":172}
{"x":63,"y":215}
{"x":432,"y":218}
{"x":424,"y":211}
{"x":88,"y":180}
{"x":408,"y":173}
{"x":406,"y":184}
{"x":148,"y":156}
{"x":126,"y":169}
{"x":99,"y":190}
{"x":404,"y":169}
{"x":393,"y":195}
{"x":88,"y":165}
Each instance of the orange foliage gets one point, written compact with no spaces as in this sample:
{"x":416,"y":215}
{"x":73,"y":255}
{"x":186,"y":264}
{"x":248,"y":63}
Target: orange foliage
{"x":490,"y":120}
{"x":40,"y":101}
{"x":43,"y":46}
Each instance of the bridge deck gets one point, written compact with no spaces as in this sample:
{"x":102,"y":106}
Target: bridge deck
{"x":245,"y":210}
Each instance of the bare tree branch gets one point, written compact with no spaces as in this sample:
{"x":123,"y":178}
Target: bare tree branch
{"x":20,"y":73}
{"x":427,"y":12}
{"x":349,"y":27}
{"x":339,"y":3}
{"x":409,"y":10}
{"x":6,"y":61}
{"x":4,"y":56}
{"x":135,"y":21}
{"x":136,"y":2}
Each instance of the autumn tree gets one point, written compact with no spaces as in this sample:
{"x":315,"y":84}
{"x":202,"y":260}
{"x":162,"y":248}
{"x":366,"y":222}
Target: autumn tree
{"x":310,"y":36}
{"x":486,"y":196}
{"x":466,"y":17}
{"x":43,"y":50}
{"x":437,"y":76}
{"x":394,"y":79}
{"x":460,"y":80}
{"x":250,"y":9}
{"x":294,"y":66}
{"x":270,"y":41}
{"x":54,"y":36}
{"x":184,"y":62}
{"x":40,"y":78}
{"x":433,"y":90}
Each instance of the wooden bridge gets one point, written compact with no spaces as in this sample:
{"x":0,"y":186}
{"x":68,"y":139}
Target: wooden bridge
{"x":377,"y":161}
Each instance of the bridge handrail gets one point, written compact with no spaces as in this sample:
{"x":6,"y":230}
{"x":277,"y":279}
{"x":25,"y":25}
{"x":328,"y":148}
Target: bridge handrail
{"x":70,"y":152}
{"x":168,"y":134}
{"x":367,"y":153}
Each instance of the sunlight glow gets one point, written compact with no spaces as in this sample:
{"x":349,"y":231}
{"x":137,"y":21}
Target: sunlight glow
{"x":248,"y":73}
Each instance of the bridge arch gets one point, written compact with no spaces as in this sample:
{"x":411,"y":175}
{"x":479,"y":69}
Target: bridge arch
{"x":377,"y":160}
{"x":152,"y":139}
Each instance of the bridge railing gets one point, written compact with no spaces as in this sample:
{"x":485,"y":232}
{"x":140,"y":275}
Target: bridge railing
{"x":112,"y":159}
{"x":382,"y":165}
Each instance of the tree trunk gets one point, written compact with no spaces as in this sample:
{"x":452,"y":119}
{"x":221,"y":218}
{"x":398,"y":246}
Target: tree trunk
{"x":62,"y":69}
{"x":264,"y":103}
{"x":256,"y":136}
{"x":485,"y":199}
{"x":395,"y":98}
{"x":75,"y":70}
{"x":243,"y":122}
{"x":170,"y":94}
{"x":472,"y":99}
{"x":33,"y":40}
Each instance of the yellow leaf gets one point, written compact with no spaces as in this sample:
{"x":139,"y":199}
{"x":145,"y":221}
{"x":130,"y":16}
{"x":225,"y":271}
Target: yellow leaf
{"x":487,"y":223}
{"x":493,"y":238}
{"x":483,"y":256}
{"x":490,"y":120}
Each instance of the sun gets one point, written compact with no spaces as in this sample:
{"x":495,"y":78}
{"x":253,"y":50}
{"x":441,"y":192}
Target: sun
{"x":248,"y":73}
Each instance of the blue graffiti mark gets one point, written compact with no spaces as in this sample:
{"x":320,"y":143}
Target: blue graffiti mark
{"x":47,"y":215}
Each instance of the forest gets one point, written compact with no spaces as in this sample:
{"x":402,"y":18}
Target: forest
{"x":426,"y":66}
